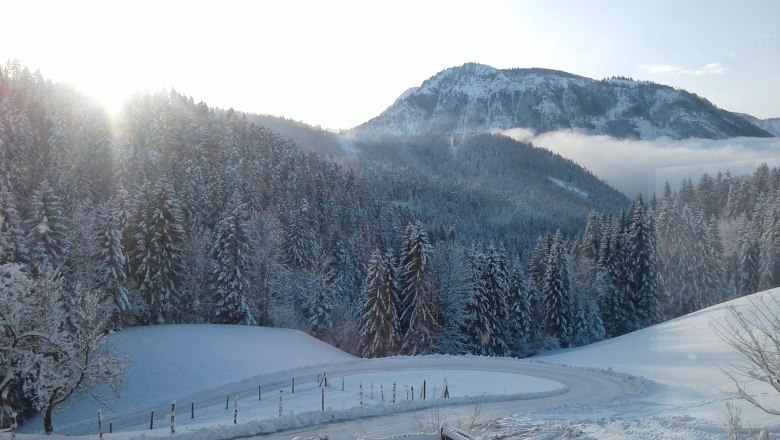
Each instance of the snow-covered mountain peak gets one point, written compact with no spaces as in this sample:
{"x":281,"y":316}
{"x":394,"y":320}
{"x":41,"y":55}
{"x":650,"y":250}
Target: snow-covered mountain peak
{"x":475,"y":98}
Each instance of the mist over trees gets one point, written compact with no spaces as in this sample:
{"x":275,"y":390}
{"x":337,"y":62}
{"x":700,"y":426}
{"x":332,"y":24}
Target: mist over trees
{"x":176,"y":212}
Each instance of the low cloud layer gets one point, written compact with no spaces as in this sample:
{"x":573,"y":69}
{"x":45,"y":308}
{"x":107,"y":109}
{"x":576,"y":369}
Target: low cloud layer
{"x":641,"y":167}
{"x":665,"y":69}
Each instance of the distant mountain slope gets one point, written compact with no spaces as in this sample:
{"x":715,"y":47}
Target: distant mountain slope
{"x":513,"y":184}
{"x":307,"y":137}
{"x":772,"y":125}
{"x":477,"y":98}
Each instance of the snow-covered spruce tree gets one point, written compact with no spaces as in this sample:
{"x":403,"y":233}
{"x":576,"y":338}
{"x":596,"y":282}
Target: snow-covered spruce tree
{"x":345,"y":293}
{"x":416,"y":296}
{"x":477,"y":326}
{"x":47,"y":240}
{"x":748,"y":259}
{"x":667,"y":219}
{"x":270,"y":271}
{"x":487,"y":320}
{"x":17,"y":140}
{"x":320,"y":308}
{"x":538,"y":262}
{"x":111,"y":279}
{"x":231,"y":266}
{"x":769,"y":206}
{"x":588,"y":246}
{"x":123,"y":205}
{"x":318,"y":296}
{"x":451,"y":283}
{"x":698,"y":264}
{"x":12,"y":242}
{"x":641,"y":261}
{"x":520,"y":321}
{"x":497,"y":285}
{"x":80,"y":266}
{"x":159,"y":239}
{"x":558,"y":303}
{"x":298,"y":239}
{"x":379,"y":335}
{"x":616,"y":307}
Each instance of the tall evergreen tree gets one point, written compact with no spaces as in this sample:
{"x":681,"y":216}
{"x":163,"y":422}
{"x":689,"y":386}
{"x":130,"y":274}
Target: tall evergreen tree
{"x":616,"y":306}
{"x":520,"y":320}
{"x":299,"y":238}
{"x":748,"y":255}
{"x":12,"y":243}
{"x":497,"y":286}
{"x":558,"y":303}
{"x":477,"y":325}
{"x":419,"y":312}
{"x":231,"y":266}
{"x":451,"y":283}
{"x":590,"y":243}
{"x":47,"y":228}
{"x":770,"y":237}
{"x":159,"y":240}
{"x":641,"y":265}
{"x":112,"y":278}
{"x":379,"y":332}
{"x":320,"y":306}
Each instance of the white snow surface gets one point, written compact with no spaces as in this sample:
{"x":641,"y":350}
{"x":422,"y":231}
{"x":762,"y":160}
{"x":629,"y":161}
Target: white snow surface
{"x":569,"y":187}
{"x":663,"y":382}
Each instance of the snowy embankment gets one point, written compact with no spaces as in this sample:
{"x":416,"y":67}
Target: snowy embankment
{"x":686,"y":357}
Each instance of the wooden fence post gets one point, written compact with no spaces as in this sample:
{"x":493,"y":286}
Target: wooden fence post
{"x":151,"y":421}
{"x":173,"y":417}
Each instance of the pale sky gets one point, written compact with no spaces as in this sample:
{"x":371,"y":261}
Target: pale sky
{"x":339,"y":63}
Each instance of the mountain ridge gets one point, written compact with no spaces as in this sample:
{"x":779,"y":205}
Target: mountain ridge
{"x":475,"y":98}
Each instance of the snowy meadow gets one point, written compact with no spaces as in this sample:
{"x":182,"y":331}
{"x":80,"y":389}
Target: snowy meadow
{"x":665,"y":381}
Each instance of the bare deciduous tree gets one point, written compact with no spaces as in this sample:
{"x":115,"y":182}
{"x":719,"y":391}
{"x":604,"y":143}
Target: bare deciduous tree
{"x":754,"y":332}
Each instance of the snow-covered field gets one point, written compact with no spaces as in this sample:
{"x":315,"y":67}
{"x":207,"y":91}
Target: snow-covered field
{"x":663,"y":382}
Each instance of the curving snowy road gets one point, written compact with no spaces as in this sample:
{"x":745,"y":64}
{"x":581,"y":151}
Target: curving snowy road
{"x":581,"y":386}
{"x":545,"y":386}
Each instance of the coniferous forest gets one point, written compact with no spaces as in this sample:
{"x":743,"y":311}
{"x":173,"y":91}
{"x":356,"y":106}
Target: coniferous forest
{"x":176,"y":212}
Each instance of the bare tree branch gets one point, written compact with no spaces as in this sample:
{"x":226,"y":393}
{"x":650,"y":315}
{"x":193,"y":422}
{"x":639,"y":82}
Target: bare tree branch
{"x":754,"y":332}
